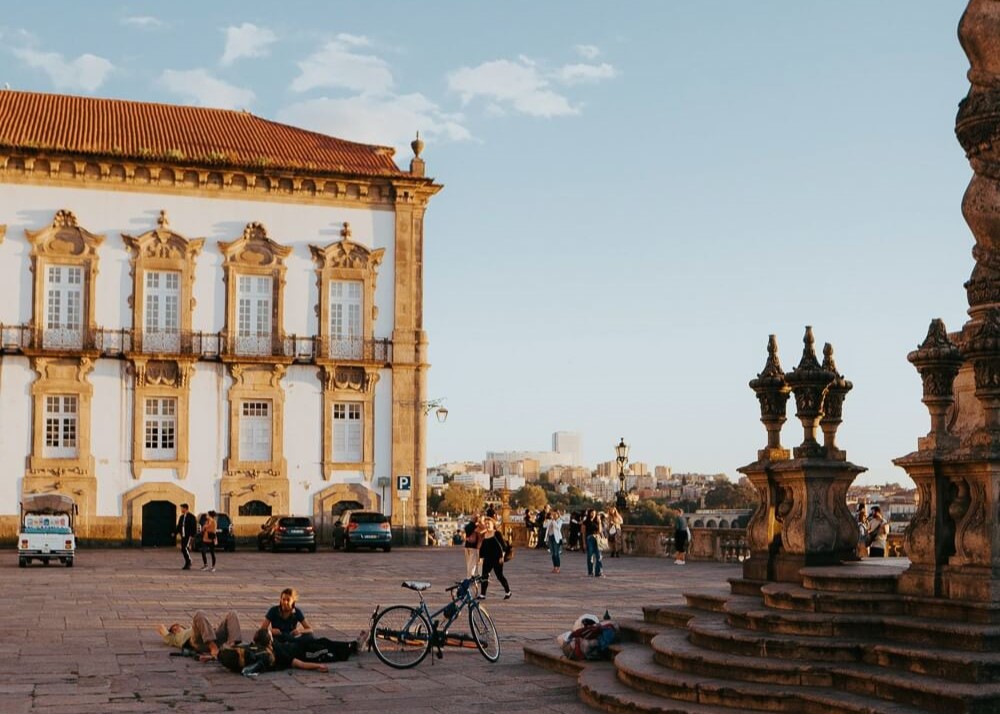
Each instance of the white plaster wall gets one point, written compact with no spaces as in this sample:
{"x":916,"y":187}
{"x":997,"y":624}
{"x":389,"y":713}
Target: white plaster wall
{"x":216,"y":219}
{"x":16,"y":377}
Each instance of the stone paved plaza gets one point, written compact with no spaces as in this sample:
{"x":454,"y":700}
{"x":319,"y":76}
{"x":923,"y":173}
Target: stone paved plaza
{"x":83,"y":638}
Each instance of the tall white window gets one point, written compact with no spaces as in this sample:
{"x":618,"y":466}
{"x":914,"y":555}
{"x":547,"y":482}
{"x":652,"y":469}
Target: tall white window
{"x":255,"y":431}
{"x":161,"y":429}
{"x":163,"y":295}
{"x":346,"y":332}
{"x":63,"y":306}
{"x":61,"y":427}
{"x":253,"y":315}
{"x":347,"y":431}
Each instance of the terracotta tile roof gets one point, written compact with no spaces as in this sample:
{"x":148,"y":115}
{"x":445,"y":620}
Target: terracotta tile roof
{"x":179,"y":134}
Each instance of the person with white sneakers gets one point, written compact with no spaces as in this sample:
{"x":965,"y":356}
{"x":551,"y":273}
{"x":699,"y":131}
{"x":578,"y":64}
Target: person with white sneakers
{"x":682,"y":538}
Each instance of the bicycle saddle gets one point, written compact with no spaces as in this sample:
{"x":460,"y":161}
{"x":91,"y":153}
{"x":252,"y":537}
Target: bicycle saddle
{"x":416,"y":585}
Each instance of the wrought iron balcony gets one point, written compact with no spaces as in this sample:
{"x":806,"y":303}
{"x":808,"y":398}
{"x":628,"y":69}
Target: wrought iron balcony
{"x":17,"y":339}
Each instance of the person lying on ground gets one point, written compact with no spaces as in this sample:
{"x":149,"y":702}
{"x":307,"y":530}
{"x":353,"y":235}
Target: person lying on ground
{"x":201,"y":637}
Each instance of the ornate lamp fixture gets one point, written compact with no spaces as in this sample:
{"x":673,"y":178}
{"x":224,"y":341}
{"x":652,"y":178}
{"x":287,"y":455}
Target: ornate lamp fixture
{"x":772,"y":392}
{"x":809,"y":382}
{"x":937,"y":360}
{"x":621,"y":456}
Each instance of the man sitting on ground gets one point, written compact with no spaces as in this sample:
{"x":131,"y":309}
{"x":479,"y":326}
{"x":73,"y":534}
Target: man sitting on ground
{"x":201,"y":638}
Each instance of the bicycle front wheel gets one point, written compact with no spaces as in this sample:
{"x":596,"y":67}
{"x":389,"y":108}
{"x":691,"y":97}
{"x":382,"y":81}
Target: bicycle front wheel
{"x":484,"y":632}
{"x":401,"y":636}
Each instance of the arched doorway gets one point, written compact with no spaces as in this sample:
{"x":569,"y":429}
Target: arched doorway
{"x":158,"y":521}
{"x":337,"y":510}
{"x":255,"y":508}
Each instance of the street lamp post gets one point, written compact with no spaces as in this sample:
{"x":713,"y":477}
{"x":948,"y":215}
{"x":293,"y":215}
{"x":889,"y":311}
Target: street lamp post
{"x":621,"y":453}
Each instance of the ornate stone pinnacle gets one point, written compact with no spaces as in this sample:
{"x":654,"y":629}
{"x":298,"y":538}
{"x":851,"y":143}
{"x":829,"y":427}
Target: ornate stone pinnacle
{"x":809,"y":382}
{"x":833,"y":405}
{"x":417,"y":145}
{"x":937,"y":360}
{"x":772,"y":392}
{"x":162,"y":221}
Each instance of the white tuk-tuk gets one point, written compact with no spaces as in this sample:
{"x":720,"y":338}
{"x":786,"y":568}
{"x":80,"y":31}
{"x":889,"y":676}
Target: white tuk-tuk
{"x":46,"y":529}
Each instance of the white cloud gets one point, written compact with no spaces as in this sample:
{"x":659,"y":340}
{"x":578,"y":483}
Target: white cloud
{"x":247,"y":40}
{"x":86,"y":72}
{"x":518,"y":85}
{"x":143,"y":21}
{"x":391,"y":120}
{"x":587,"y":51}
{"x":579,"y":73}
{"x":198,"y":86}
{"x":337,"y":65}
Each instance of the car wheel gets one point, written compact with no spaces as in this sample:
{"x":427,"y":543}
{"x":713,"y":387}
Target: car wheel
{"x":350,"y":547}
{"x":45,"y":561}
{"x":312,"y":549}
{"x":260,"y":544}
{"x":274,"y":547}
{"x":69,"y":562}
{"x":22,"y":562}
{"x":386,"y":549}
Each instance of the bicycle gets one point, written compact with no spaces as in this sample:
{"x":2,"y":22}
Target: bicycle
{"x":402,"y":635}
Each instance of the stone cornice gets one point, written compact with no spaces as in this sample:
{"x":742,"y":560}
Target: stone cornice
{"x":213,"y":181}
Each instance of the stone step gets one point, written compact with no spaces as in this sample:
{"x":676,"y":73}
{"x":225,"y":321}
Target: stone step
{"x":715,"y":633}
{"x":672,"y":649}
{"x":851,"y":578}
{"x":668,"y":615}
{"x":707,"y":600}
{"x":637,"y":669}
{"x":600,"y":688}
{"x":640,"y":631}
{"x":549,"y":655}
{"x":951,"y":665}
{"x":920,"y":691}
{"x":747,"y":614}
{"x":745,"y":586}
{"x":788,"y":596}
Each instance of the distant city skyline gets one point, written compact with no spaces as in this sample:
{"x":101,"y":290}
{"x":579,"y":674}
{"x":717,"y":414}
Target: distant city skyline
{"x":635,"y":196}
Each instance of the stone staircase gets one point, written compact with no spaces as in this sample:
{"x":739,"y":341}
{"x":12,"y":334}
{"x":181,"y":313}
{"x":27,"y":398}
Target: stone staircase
{"x":841,"y":641}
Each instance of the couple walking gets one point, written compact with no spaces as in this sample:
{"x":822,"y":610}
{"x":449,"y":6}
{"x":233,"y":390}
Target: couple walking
{"x":187,"y":529}
{"x":483,"y":542}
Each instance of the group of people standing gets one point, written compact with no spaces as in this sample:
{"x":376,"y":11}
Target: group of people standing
{"x":873,"y":532}
{"x":188,"y":531}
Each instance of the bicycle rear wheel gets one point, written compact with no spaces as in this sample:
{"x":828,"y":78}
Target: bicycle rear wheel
{"x":401,"y":636}
{"x":484,"y":632}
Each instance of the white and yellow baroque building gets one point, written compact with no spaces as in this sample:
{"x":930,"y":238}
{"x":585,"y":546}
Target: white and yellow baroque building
{"x":207,"y":307}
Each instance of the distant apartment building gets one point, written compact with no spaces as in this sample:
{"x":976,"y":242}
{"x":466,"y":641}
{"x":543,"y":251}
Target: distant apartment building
{"x":639,"y":468}
{"x":607,"y":469}
{"x":662,"y":473}
{"x":498,"y":463}
{"x":435,"y":480}
{"x":508,"y":481}
{"x":567,"y":445}
{"x":572,"y":475}
{"x":473,"y":480}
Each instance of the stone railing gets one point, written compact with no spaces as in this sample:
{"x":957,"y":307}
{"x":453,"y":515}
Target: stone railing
{"x":723,"y":545}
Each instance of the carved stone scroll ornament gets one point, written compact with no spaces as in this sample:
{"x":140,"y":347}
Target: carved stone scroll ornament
{"x":759,"y":527}
{"x":919,"y":535}
{"x":772,"y":392}
{"x":833,"y":405}
{"x":937,"y":360}
{"x":982,"y":349}
{"x":809,"y":382}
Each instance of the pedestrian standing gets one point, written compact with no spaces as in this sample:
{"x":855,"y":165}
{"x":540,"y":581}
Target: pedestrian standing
{"x":553,"y":538}
{"x":493,"y":553}
{"x":574,"y":530}
{"x":471,"y":549}
{"x":209,"y":537}
{"x":590,"y":528}
{"x":878,"y":533}
{"x":862,"y":531}
{"x":186,"y":528}
{"x":540,"y":527}
{"x":682,"y":537}
{"x":615,"y":536}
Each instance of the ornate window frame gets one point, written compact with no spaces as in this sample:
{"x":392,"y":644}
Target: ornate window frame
{"x":159,"y":379}
{"x":345,"y":260}
{"x":257,"y":382}
{"x":342,"y":383}
{"x":58,"y":377}
{"x":64,"y":243}
{"x":254,"y":253}
{"x":162,"y":249}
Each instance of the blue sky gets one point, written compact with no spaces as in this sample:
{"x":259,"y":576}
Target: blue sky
{"x":636,"y":195}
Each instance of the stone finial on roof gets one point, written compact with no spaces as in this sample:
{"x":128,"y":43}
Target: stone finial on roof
{"x":417,"y":165}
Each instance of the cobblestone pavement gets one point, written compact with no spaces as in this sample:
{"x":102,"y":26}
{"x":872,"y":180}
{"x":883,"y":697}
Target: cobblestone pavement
{"x":83,"y":638}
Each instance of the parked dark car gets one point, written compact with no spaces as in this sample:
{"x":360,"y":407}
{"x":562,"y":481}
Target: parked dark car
{"x":223,"y":532}
{"x":362,"y":529}
{"x":287,"y":532}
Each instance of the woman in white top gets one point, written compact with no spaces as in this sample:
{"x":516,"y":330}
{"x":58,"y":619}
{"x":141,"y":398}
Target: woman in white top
{"x":553,"y":537}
